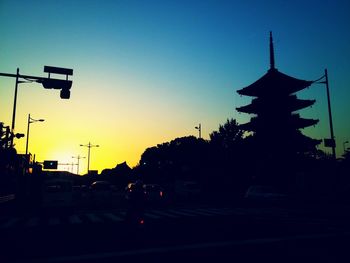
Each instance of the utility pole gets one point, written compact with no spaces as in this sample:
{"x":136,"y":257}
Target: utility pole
{"x":89,"y":145}
{"x":330,"y":116}
{"x":78,"y":158}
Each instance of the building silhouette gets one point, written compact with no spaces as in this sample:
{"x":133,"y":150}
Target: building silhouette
{"x":276,"y":123}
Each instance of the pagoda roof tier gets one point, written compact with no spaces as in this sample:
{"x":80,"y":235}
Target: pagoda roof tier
{"x":295,"y":121}
{"x":258,"y":105}
{"x":274,"y":82}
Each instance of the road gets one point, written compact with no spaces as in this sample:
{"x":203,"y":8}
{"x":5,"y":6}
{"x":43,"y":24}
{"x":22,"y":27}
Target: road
{"x":176,"y":233}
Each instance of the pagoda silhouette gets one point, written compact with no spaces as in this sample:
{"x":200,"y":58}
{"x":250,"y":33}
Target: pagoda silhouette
{"x":276,"y":123}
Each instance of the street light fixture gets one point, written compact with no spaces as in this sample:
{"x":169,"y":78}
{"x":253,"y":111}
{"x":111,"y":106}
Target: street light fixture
{"x":48,"y":83}
{"x":199,"y":128}
{"x":78,"y":158}
{"x":89,"y":145}
{"x":30,"y":120}
{"x":344,"y":146}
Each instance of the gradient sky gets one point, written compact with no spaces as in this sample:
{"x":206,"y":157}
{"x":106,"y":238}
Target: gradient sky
{"x":146,"y":72}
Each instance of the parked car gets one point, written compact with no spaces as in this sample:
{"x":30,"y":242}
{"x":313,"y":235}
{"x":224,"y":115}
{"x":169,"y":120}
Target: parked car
{"x":187,"y":190}
{"x":153,"y":192}
{"x":128,"y":190}
{"x":101,"y":191}
{"x":57,"y":193}
{"x":265,"y":193}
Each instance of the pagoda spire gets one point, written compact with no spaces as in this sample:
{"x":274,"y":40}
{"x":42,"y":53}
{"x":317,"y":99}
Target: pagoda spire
{"x":272,"y":53}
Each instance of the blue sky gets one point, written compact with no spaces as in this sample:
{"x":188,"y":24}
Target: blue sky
{"x":146,"y":72}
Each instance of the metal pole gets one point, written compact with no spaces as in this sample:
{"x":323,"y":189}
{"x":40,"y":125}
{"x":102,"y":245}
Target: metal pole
{"x":200,"y":131}
{"x":14,"y":108}
{"x":27,"y":134}
{"x":330,"y":117}
{"x":78,"y":165}
{"x":88,"y":168}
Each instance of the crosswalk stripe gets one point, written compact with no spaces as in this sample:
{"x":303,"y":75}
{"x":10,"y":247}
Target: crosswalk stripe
{"x":198,"y":212}
{"x":150,"y":215}
{"x":32,"y":222}
{"x":215,"y":211}
{"x":113,"y":217}
{"x":164,"y":214}
{"x":117,"y":216}
{"x":54,"y":221}
{"x":93,"y":218}
{"x":74,"y":219}
{"x":181,"y":213}
{"x":11,"y":222}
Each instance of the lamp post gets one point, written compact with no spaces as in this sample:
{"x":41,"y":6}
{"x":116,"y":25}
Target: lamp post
{"x":199,"y":128}
{"x":78,"y":158}
{"x":89,"y":145}
{"x":48,"y":83}
{"x":30,"y":120}
{"x":329,"y":142}
{"x":344,"y":146}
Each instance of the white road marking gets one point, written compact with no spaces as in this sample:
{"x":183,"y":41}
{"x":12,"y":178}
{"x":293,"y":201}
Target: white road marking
{"x":74,"y":219}
{"x":157,"y":212}
{"x":150,"y":215}
{"x":179,"y":212}
{"x":54,"y":221}
{"x":11,"y":222}
{"x":32,"y":222}
{"x":94,"y":218}
{"x":113,"y":217}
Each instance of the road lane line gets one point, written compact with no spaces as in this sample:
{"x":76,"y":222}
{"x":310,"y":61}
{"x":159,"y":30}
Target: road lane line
{"x":74,"y":219}
{"x":11,"y":222}
{"x":180,"y":212}
{"x":214,"y":211}
{"x":113,"y":217}
{"x":32,"y":222}
{"x":53,"y":221}
{"x":94,"y":218}
{"x":150,"y":215}
{"x":157,"y":212}
{"x":197,"y":212}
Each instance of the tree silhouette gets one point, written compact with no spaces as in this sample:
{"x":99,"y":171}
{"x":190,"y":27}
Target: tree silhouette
{"x":228,"y":135}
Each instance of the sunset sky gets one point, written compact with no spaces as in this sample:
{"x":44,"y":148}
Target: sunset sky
{"x":147,"y":72}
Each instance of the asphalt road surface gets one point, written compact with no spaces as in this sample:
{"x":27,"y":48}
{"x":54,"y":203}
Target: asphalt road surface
{"x":190,"y":233}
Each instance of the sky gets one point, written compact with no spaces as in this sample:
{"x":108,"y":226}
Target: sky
{"x":147,"y":72}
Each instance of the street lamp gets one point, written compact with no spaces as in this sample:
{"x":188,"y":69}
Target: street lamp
{"x":199,"y":128}
{"x":30,"y":120}
{"x":78,"y":158}
{"x":89,"y":145}
{"x":48,"y":83}
{"x":344,"y":146}
{"x":328,"y":142}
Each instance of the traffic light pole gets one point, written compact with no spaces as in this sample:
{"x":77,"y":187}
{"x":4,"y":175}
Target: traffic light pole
{"x":14,"y":107}
{"x":48,"y":83}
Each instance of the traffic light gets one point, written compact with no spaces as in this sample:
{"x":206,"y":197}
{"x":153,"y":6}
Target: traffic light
{"x":19,"y":135}
{"x":65,"y":94}
{"x":63,"y":84}
{"x":56,"y":83}
{"x":50,"y":164}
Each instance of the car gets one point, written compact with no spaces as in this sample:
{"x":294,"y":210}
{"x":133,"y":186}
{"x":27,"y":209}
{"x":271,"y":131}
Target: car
{"x":101,"y":191}
{"x":58,"y":193}
{"x":265,"y":193}
{"x":128,"y":190}
{"x":189,"y":190}
{"x":153,"y":192}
